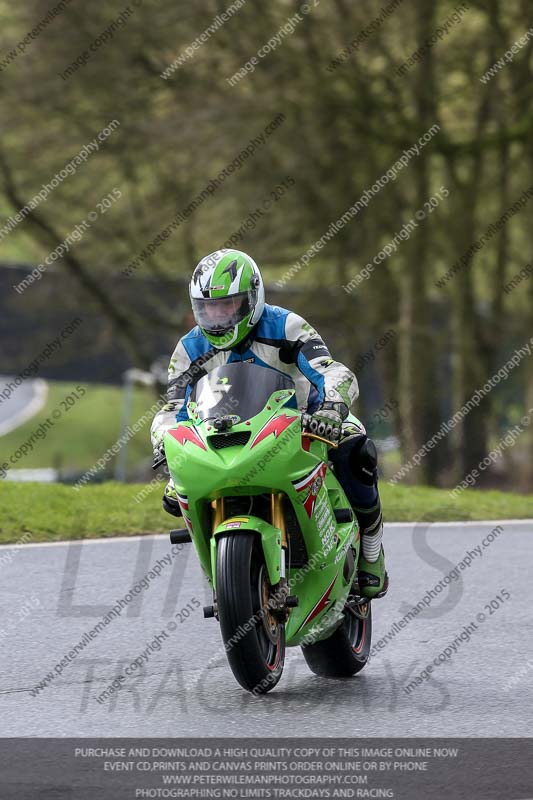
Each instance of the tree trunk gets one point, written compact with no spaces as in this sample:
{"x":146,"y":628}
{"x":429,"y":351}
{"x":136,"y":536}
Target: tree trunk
{"x":416,"y":354}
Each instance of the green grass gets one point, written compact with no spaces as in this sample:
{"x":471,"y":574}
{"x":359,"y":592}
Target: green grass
{"x":83,"y":432}
{"x":406,"y":503}
{"x":53,"y":512}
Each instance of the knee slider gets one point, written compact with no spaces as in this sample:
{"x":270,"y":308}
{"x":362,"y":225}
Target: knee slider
{"x":364,"y":461}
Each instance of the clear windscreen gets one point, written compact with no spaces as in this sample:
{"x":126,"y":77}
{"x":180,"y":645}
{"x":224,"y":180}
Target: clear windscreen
{"x":241,"y":389}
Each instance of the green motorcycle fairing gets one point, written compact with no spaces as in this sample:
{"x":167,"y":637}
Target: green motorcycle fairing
{"x":262,"y":452}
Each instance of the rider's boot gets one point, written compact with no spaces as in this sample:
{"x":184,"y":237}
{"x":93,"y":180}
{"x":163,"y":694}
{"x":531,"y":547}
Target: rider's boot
{"x":372,"y":575}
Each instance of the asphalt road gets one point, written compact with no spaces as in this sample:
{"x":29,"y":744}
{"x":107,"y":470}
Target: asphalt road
{"x":24,"y":401}
{"x":50,"y":595}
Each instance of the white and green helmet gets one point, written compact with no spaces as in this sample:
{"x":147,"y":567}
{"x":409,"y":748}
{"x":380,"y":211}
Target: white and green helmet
{"x":227,"y":297}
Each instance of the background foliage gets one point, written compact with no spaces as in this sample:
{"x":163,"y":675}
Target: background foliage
{"x":344,"y":126}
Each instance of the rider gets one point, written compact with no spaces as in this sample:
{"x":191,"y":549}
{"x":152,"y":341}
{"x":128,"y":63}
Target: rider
{"x":235,"y":324}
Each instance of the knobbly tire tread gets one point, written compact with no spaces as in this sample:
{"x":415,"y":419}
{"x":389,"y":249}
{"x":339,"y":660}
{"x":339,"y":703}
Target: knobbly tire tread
{"x":334,"y":657}
{"x":235,"y":574}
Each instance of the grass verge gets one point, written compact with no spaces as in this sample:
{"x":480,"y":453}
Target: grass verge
{"x":55,"y":512}
{"x":82,"y":432}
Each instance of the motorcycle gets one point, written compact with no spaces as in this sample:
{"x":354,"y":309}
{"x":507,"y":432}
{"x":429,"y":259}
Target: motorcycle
{"x":271,"y":525}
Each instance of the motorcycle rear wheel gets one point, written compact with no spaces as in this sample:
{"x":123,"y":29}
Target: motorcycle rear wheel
{"x":346,"y":651}
{"x":254,"y":638}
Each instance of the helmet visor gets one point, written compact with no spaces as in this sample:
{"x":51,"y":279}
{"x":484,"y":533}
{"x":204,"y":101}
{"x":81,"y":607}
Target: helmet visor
{"x":220,"y":314}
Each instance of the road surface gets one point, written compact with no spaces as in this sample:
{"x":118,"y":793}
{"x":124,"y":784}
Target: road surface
{"x":21,"y":402}
{"x":51,"y":595}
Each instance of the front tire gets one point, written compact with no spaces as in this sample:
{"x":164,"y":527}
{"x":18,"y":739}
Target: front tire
{"x":346,"y":651}
{"x":254,"y":638}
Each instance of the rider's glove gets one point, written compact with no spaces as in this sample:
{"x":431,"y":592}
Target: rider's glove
{"x":159,"y":455}
{"x":326,"y":421}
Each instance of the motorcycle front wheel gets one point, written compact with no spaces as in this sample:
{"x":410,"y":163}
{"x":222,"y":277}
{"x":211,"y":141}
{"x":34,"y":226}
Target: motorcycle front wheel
{"x":253,"y":637}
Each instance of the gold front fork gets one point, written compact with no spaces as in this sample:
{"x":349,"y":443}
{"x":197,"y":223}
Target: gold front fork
{"x":278,"y":520}
{"x":218,"y":511}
